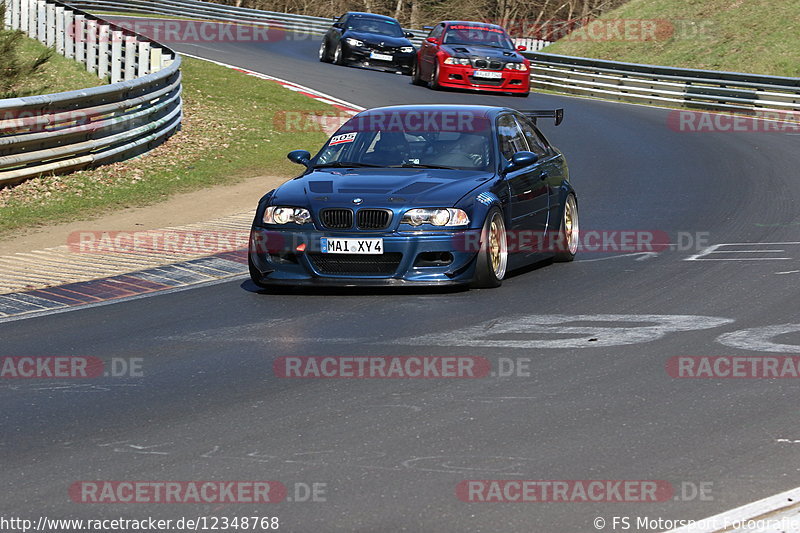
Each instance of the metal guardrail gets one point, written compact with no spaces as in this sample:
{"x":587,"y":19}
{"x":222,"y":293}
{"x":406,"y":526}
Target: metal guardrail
{"x":650,"y":84}
{"x":299,"y":25}
{"x":76,"y":129}
{"x":710,"y":90}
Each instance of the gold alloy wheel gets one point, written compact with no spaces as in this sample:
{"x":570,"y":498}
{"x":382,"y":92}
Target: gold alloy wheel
{"x":571,"y":229}
{"x":498,"y":246}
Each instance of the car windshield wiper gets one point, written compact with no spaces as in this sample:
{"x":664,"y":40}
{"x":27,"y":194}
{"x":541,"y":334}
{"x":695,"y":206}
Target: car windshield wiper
{"x":346,"y":164}
{"x":418,"y":165}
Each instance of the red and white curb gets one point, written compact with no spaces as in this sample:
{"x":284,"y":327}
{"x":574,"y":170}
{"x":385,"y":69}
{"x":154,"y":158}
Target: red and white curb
{"x":305,"y":91}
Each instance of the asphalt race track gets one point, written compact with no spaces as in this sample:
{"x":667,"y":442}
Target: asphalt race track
{"x":596,"y":402}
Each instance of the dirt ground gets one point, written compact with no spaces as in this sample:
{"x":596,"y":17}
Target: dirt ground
{"x":197,"y":206}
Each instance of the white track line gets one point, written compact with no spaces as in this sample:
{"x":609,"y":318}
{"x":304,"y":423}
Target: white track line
{"x":757,"y":510}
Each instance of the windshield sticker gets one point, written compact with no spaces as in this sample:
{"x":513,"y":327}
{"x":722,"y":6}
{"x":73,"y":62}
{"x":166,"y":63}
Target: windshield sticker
{"x":343,"y":138}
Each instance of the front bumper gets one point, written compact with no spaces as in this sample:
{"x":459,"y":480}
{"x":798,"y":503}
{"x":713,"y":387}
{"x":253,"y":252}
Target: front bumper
{"x":462,"y":77}
{"x":361,"y":57}
{"x":295,"y":258}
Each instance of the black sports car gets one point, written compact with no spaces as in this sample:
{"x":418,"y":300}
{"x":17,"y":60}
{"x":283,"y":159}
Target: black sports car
{"x":419,"y":194}
{"x":368,"y":40}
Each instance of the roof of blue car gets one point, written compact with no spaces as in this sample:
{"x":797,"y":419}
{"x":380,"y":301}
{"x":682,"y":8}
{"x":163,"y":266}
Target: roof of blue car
{"x":370,"y":15}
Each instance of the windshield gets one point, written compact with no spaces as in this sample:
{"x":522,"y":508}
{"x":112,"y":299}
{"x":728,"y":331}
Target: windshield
{"x":377,"y":26}
{"x":477,"y":36}
{"x":411,"y":139}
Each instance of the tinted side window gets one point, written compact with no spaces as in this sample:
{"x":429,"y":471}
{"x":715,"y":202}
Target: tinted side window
{"x":510,"y":137}
{"x":437,"y":31}
{"x":536,"y":143}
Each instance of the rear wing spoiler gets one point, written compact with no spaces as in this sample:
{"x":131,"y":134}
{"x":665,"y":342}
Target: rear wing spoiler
{"x":556,"y":114}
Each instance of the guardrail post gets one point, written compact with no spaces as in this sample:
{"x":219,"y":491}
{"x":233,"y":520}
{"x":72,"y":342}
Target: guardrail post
{"x":50,"y":27}
{"x":91,"y":45}
{"x":155,"y":59}
{"x":143,"y":66}
{"x":9,"y":13}
{"x":116,"y":56}
{"x":69,"y":34}
{"x":61,"y":30}
{"x":41,"y":22}
{"x":14,"y":8}
{"x":79,"y":38}
{"x":103,"y":37}
{"x":130,"y":57}
{"x":31,"y":18}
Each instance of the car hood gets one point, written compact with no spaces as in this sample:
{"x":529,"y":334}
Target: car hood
{"x":375,"y":38}
{"x":460,"y":50}
{"x":386,"y":188}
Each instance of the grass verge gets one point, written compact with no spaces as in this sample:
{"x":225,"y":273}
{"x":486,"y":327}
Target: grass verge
{"x":232,"y":129}
{"x":755,"y":36}
{"x":59,"y":74}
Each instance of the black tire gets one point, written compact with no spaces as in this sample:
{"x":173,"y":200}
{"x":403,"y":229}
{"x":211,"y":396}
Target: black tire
{"x":434,"y":83}
{"x":324,"y":55}
{"x":255,"y":275}
{"x":568,"y":232}
{"x":338,"y":54}
{"x":492,"y":258}
{"x":416,"y":79}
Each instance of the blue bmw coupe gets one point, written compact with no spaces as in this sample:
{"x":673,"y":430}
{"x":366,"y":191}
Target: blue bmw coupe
{"x":420,"y":194}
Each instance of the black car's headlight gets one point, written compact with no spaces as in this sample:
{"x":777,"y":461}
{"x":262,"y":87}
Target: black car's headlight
{"x":354,"y":42}
{"x":516,"y":66}
{"x":456,"y":61}
{"x":286,"y":215}
{"x":436,"y":217}
{"x":407,"y":49}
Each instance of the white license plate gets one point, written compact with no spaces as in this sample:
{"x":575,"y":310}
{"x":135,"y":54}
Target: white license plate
{"x":381,"y":57}
{"x":488,"y":74}
{"x":351,"y":246}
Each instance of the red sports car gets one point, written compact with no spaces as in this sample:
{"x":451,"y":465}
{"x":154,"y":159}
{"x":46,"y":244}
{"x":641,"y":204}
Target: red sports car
{"x":472,"y":55}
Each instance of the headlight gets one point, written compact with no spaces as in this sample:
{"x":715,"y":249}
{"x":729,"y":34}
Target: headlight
{"x":285,"y":215}
{"x":407,"y":49}
{"x":436,"y":217}
{"x":516,"y":66}
{"x":354,"y":42}
{"x":456,"y":61}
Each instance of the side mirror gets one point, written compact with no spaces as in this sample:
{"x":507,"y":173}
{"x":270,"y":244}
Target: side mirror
{"x":433,"y":40}
{"x":521,"y":48}
{"x":521,"y":160}
{"x":409,"y":35}
{"x":301,"y":157}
